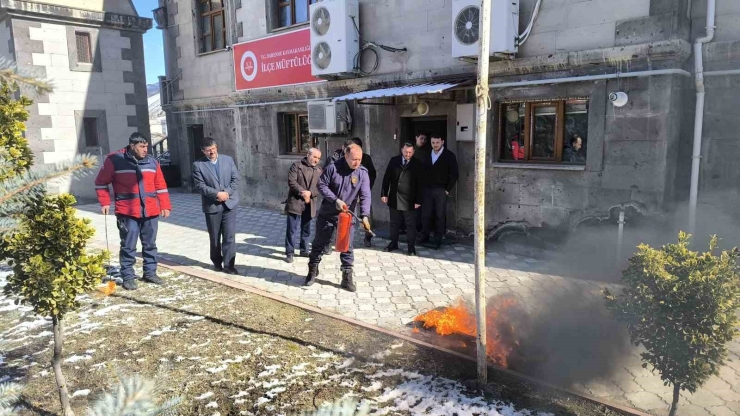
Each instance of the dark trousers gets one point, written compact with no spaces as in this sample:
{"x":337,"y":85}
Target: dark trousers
{"x":298,"y":223}
{"x":399,"y":218}
{"x":417,"y":217}
{"x":434,"y":207}
{"x":131,"y":229}
{"x":324,"y":230}
{"x":221,"y":228}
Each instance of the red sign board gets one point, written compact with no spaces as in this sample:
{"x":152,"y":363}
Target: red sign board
{"x":283,"y":59}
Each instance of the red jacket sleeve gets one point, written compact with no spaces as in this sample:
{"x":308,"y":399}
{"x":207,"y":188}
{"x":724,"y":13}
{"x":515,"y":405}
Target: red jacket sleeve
{"x":163,"y":194}
{"x":104,"y":178}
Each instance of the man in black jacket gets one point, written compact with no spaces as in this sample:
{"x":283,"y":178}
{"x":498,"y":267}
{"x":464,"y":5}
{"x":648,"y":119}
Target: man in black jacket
{"x":441,"y":173}
{"x":303,"y":179}
{"x":402,"y":193}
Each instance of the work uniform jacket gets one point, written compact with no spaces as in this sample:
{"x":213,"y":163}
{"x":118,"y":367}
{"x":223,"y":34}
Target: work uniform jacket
{"x":340,"y":182}
{"x":139,"y":186}
{"x":402,"y":184}
{"x":367,"y":162}
{"x":302,"y":177}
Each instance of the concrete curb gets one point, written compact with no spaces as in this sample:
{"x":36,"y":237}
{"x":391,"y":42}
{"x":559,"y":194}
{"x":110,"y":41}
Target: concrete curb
{"x":220,"y":279}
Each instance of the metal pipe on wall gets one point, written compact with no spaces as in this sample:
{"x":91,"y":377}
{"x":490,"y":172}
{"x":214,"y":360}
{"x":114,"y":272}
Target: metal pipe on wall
{"x":699,"y":115}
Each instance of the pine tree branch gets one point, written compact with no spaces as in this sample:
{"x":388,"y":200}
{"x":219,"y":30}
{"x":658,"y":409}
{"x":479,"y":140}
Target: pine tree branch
{"x":10,"y":73}
{"x":17,"y":186}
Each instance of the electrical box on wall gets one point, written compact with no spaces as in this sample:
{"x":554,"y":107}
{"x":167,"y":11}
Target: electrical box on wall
{"x":465,"y":129}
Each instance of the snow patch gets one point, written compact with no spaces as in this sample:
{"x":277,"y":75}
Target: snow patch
{"x":204,"y":396}
{"x":79,"y":393}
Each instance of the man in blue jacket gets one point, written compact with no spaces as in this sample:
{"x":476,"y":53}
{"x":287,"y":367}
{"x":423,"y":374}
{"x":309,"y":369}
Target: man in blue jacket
{"x":344,"y":180}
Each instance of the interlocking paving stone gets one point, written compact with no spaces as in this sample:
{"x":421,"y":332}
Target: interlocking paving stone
{"x":393,"y":288}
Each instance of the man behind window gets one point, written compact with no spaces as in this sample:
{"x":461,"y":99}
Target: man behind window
{"x":216,"y":179}
{"x":441,"y":173}
{"x":573,"y":152}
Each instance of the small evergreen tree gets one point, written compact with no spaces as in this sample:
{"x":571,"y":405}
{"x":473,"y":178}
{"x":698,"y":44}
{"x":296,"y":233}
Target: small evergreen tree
{"x":9,"y":395}
{"x":51,"y":267}
{"x":19,"y":186}
{"x":341,"y":407}
{"x":133,"y":396}
{"x":681,"y":305}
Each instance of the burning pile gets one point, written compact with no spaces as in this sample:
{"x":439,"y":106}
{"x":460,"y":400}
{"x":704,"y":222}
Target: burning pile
{"x":506,"y":322}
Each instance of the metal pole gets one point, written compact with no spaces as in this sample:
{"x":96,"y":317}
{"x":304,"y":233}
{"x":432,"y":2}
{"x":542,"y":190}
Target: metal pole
{"x":482,"y":103}
{"x":620,"y":236}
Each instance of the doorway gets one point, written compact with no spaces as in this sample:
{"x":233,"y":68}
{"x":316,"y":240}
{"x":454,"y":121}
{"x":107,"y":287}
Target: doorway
{"x":434,"y":125}
{"x":430,"y":125}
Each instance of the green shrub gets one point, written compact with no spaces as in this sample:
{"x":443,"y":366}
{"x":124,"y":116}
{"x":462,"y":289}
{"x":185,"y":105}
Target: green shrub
{"x":681,"y":306}
{"x":51,"y":267}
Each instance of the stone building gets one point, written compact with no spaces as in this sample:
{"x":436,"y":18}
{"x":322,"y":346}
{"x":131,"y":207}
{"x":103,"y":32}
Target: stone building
{"x":559,"y":82}
{"x":93,"y":53}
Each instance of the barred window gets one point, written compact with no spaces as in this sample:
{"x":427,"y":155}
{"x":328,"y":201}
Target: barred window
{"x":84,"y":49}
{"x":90,"y":126}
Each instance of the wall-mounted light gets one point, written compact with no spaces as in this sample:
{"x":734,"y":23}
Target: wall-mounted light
{"x":160,"y":16}
{"x":512,"y":115}
{"x":619,"y":99}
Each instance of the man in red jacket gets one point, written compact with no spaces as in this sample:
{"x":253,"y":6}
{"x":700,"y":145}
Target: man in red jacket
{"x":141,"y":197}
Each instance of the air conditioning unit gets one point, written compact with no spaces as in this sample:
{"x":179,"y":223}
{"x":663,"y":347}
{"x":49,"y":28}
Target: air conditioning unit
{"x":335,"y":37}
{"x":328,"y":117}
{"x":466,"y":27}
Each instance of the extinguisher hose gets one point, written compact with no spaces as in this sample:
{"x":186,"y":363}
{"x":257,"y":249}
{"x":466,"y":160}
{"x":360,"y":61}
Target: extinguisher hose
{"x":367,"y":230}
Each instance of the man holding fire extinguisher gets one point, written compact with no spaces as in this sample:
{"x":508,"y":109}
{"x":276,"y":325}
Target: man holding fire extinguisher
{"x":344,"y":180}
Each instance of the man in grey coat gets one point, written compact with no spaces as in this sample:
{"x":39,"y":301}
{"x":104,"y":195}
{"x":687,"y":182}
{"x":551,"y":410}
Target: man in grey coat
{"x":216,"y":179}
{"x":303,"y":193}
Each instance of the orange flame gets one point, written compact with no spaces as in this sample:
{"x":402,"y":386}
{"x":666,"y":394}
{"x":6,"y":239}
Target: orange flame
{"x":502,"y":337}
{"x":107,"y":289}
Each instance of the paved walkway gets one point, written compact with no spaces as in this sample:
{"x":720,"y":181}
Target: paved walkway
{"x":571,"y":340}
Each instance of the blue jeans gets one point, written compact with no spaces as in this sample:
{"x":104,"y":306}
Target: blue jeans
{"x":324,"y":230}
{"x":130,"y":229}
{"x":297,"y":224}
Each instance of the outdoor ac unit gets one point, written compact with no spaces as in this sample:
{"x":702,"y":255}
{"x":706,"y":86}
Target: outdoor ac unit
{"x":335,"y":37}
{"x":328,"y":117}
{"x":466,"y":27}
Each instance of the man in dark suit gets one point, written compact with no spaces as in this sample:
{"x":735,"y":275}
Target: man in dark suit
{"x":441,"y":173}
{"x":216,"y":179}
{"x":402,"y":193}
{"x":303,"y":179}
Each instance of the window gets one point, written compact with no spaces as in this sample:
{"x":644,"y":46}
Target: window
{"x":294,"y":133}
{"x":292,"y":12}
{"x":553,"y":131}
{"x":212,"y":25}
{"x":90,"y":126}
{"x":84,"y":50}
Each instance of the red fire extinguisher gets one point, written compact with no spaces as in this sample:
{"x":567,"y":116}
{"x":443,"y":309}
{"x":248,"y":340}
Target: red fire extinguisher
{"x":344,"y":224}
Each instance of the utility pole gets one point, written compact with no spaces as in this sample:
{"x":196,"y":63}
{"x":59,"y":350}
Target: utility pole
{"x":483,"y":101}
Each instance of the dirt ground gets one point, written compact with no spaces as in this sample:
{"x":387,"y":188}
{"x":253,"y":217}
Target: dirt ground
{"x":226,"y":352}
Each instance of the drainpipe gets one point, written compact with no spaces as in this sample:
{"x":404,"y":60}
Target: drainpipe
{"x":699,"y":116}
{"x":620,"y":235}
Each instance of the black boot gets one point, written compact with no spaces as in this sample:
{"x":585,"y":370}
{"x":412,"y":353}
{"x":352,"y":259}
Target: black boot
{"x":391,"y":246}
{"x":313,"y":273}
{"x":347,"y":282}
